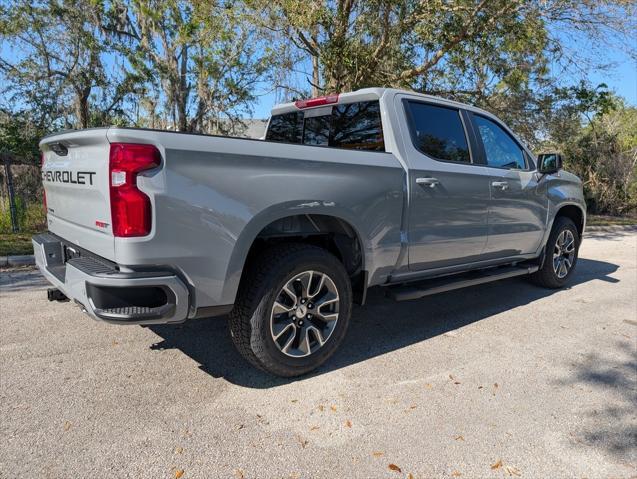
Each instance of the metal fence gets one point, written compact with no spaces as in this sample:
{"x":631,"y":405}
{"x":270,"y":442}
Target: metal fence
{"x":21,"y":208}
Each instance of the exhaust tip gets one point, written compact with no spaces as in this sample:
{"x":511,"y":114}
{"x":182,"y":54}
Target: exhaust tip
{"x":54,"y":294}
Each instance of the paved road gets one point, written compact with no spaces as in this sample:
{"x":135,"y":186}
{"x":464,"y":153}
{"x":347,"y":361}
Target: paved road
{"x":502,"y":380}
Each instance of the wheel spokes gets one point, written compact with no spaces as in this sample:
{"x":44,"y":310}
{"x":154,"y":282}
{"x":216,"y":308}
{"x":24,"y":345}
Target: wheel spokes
{"x":319,"y":287}
{"x":280,"y":329}
{"x":279,"y":308}
{"x":304,"y":314}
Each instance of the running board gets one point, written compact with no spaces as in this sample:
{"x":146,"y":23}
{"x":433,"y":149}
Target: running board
{"x":449,"y":283}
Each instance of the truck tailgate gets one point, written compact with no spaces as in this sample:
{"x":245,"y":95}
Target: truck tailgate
{"x":75,"y":176}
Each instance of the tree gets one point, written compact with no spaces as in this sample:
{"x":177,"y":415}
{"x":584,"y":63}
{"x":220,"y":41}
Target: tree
{"x":57,"y":60}
{"x":201,"y":63}
{"x":600,"y":146}
{"x":468,"y":49}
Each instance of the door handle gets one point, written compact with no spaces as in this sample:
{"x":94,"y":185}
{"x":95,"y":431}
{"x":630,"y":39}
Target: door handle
{"x":503,"y":185}
{"x":430,"y":182}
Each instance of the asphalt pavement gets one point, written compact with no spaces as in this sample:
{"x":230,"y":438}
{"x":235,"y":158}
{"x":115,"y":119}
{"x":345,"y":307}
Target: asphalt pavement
{"x":501,"y":380}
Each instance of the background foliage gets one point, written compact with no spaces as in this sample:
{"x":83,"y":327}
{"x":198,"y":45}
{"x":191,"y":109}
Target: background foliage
{"x":200,"y":65}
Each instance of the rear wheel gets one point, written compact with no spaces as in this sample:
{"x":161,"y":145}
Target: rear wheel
{"x":292,"y":310}
{"x":561,"y":255}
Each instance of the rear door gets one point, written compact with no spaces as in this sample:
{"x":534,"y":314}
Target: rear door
{"x":75,"y":170}
{"x":518,"y":205}
{"x":449,"y":191}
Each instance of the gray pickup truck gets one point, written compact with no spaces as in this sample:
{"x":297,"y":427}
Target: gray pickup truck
{"x":377,"y":187}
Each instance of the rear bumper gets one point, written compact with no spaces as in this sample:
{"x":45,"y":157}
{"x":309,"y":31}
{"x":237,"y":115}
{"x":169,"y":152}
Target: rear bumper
{"x":108,"y":294}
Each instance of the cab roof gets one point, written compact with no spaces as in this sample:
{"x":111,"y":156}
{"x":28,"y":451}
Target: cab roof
{"x":365,"y":94}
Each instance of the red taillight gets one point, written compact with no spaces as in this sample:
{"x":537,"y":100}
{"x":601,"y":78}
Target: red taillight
{"x":321,"y":100}
{"x":46,"y":210}
{"x":131,"y":213}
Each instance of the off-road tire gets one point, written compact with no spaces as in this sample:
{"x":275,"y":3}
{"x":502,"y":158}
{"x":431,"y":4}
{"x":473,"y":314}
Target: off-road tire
{"x":262,"y":281}
{"x":546,"y":275}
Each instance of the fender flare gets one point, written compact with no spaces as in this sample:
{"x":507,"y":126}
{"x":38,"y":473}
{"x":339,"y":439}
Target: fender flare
{"x":273,"y":213}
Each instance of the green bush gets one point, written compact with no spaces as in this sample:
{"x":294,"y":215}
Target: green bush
{"x":30,"y":216}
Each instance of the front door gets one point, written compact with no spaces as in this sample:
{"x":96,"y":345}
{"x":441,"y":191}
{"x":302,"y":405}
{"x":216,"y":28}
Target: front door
{"x":449,"y":194}
{"x":518,"y":206}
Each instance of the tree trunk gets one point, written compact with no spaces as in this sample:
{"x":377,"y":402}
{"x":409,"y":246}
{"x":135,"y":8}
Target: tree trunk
{"x":182,"y":93}
{"x":82,"y":107}
{"x":316,"y":77}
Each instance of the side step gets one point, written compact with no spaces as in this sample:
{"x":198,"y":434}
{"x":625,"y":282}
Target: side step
{"x":448,"y":283}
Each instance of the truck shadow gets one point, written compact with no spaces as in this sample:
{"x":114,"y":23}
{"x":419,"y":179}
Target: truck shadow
{"x":611,"y":427}
{"x":379,"y":327}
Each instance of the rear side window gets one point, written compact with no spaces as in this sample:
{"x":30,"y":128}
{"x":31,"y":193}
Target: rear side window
{"x":355,"y":126}
{"x":501,"y":150}
{"x":438,"y":132}
{"x":286,"y":128}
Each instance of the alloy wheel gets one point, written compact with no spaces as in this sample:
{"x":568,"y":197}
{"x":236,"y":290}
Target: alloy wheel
{"x":564,"y":253}
{"x":304,"y":314}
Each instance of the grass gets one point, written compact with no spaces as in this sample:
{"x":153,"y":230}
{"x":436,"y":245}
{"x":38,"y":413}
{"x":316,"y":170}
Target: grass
{"x":15,"y":244}
{"x":603,"y":220}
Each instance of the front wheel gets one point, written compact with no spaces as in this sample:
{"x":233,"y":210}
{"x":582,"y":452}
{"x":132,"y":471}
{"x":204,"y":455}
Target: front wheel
{"x":292,"y":310}
{"x":561,"y":255}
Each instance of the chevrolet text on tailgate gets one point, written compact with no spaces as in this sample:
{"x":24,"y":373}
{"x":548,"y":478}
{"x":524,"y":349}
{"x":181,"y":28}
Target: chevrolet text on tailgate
{"x":376,"y":187}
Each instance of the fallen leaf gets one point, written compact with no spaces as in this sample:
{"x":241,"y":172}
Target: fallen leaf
{"x":428,"y":386}
{"x":294,"y":400}
{"x":410,"y":476}
{"x":456,"y":474}
{"x":497,"y":465}
{"x":394,"y":467}
{"x":348,"y":423}
{"x":413,"y":406}
{"x":512,"y":471}
{"x":333,"y":408}
{"x":459,"y":438}
{"x":240,"y":426}
{"x":378,"y":453}
{"x":239,"y":473}
{"x":179,"y":473}
{"x":314,"y":428}
{"x":67,"y":425}
{"x":179,"y":450}
{"x":321,"y":407}
{"x":302,"y":441}
{"x":115,"y":343}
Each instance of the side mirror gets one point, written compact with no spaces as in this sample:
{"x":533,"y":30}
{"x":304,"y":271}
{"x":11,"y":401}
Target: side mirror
{"x":549,"y":163}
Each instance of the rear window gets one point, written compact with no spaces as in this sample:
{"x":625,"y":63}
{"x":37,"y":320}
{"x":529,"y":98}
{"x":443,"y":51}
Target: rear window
{"x":287,"y":128}
{"x":438,"y":132}
{"x":355,"y":126}
{"x":316,"y":130}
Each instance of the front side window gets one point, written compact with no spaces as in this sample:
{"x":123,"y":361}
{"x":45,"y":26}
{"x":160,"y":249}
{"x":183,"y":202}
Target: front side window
{"x":501,"y":150}
{"x":438,"y":132}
